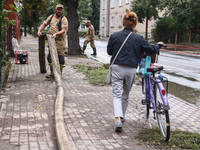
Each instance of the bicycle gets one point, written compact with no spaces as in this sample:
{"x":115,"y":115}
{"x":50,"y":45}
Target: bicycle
{"x":156,"y":94}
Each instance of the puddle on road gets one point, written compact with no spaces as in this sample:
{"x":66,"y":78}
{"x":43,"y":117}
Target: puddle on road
{"x":178,"y":75}
{"x":186,"y":93}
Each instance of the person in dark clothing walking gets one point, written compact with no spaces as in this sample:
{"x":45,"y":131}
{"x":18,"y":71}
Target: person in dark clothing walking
{"x":124,"y":68}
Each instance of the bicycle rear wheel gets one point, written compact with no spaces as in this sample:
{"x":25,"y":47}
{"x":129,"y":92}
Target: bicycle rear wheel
{"x":162,"y":116}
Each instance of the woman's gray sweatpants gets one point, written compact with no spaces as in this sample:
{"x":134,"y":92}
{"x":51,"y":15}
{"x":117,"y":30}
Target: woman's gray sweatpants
{"x":122,"y":80}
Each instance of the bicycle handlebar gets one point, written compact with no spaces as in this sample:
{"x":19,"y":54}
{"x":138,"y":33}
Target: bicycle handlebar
{"x":161,"y":45}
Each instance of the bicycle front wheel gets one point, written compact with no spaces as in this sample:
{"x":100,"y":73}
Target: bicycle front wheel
{"x":162,"y":116}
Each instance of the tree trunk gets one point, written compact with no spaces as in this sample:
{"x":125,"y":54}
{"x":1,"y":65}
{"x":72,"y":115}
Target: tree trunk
{"x":35,"y":29}
{"x":146,"y":32}
{"x":190,"y":36}
{"x":29,"y":29}
{"x":176,"y":38}
{"x":25,"y":20}
{"x":34,"y":25}
{"x":73,"y":24}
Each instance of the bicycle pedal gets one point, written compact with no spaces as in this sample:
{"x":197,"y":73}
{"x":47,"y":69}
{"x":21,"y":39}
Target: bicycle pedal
{"x":145,"y":102}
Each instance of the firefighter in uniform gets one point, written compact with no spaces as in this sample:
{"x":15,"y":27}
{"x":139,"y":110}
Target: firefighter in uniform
{"x":58,"y":25}
{"x":90,"y":38}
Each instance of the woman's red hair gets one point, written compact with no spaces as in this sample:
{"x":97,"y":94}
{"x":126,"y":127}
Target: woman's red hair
{"x":130,"y":20}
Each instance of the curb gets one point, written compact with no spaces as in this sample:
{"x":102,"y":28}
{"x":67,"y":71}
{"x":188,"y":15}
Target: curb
{"x":180,"y":52}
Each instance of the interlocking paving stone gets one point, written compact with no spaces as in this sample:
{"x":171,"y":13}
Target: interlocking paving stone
{"x":27,"y":110}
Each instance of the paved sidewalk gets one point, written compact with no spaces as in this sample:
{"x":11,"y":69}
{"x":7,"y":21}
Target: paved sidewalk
{"x":27,"y":110}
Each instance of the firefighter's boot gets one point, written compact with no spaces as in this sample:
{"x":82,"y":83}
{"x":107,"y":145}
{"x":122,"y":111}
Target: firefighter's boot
{"x":51,"y":75}
{"x":84,"y":47}
{"x":61,"y":68}
{"x":94,"y":51}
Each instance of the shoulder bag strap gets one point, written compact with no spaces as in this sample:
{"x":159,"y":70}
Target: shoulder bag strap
{"x":121,"y":48}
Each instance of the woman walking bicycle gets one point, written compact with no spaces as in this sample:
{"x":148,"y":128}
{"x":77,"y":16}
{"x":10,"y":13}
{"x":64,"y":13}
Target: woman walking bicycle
{"x":125,"y":47}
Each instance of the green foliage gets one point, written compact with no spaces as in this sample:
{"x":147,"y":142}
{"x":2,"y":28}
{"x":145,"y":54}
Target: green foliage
{"x":35,"y":8}
{"x":32,"y":11}
{"x":3,"y":19}
{"x":194,"y":15}
{"x":3,"y":27}
{"x":145,"y":9}
{"x":95,"y":75}
{"x":81,"y":33}
{"x":178,"y":139}
{"x":94,"y":16}
{"x":89,"y":10}
{"x":186,"y":14}
{"x":2,"y":23}
{"x":84,"y":9}
{"x":45,"y":31}
{"x":50,"y":9}
{"x":165,"y":30}
{"x":15,"y":9}
{"x":5,"y":69}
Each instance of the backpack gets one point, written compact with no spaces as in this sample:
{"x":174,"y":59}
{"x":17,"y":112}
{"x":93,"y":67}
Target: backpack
{"x":58,"y":24}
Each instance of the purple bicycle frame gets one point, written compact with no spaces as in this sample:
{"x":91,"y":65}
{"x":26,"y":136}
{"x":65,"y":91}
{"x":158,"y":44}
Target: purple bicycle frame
{"x":150,"y":94}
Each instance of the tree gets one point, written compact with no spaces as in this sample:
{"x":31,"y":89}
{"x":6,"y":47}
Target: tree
{"x":145,"y":9}
{"x":73,"y":24}
{"x":84,"y":9}
{"x":194,"y":19}
{"x":186,"y":13}
{"x":165,"y":29}
{"x":78,"y":10}
{"x":178,"y":10}
{"x":94,"y":17}
{"x":2,"y":19}
{"x":34,"y":9}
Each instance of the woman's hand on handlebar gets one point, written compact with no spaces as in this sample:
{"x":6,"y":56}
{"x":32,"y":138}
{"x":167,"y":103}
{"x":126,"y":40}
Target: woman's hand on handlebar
{"x":161,"y":44}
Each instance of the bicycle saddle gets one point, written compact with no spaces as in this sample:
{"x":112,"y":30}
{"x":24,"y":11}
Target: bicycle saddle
{"x":154,"y":69}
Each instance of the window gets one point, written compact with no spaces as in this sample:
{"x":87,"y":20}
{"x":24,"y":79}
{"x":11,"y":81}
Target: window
{"x":120,"y":21}
{"x":112,"y":22}
{"x":103,"y":22}
{"x":103,"y":5}
{"x":127,"y":1}
{"x":83,"y":26}
{"x":120,"y":2}
{"x":112,"y":4}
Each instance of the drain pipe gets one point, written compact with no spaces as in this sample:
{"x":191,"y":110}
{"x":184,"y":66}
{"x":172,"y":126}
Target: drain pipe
{"x":108,"y":19}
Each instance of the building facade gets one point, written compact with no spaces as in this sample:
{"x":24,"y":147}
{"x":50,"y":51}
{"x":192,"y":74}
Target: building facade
{"x":13,"y":16}
{"x":12,"y":31}
{"x":111,"y":16}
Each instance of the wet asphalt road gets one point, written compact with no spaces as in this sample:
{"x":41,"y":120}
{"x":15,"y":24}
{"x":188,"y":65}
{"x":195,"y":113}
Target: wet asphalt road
{"x":182,"y":70}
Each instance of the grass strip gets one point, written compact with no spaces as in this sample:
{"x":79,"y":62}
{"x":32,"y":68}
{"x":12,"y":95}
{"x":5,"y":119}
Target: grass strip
{"x":178,"y":139}
{"x":95,"y":75}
